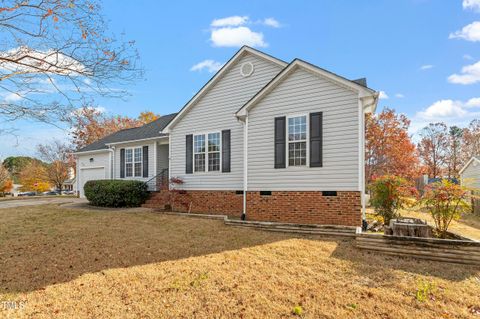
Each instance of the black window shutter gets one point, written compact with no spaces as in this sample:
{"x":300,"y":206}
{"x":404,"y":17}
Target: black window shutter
{"x":122,"y":163}
{"x":280,"y":140}
{"x":189,"y":154}
{"x":226,"y":151}
{"x":316,"y":136}
{"x":145,"y":161}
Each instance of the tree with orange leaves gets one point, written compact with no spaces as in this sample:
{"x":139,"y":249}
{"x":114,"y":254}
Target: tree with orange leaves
{"x":6,"y":184}
{"x":34,"y":177}
{"x":389,"y":149}
{"x":90,"y":124}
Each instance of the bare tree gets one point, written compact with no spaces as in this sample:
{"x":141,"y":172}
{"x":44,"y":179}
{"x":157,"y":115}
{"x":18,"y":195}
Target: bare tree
{"x":56,"y":54}
{"x":58,"y":156}
{"x":433,"y":147}
{"x":454,"y":154}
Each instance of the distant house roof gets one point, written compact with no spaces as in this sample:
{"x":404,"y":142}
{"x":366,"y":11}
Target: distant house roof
{"x":149,"y":130}
{"x":473,"y":159}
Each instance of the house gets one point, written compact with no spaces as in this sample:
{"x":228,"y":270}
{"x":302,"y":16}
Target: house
{"x":470,"y":174}
{"x":137,"y":153}
{"x":263,"y":140}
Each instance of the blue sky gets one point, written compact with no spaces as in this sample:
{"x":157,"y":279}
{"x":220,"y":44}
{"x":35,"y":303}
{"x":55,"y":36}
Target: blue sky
{"x":412,"y":50}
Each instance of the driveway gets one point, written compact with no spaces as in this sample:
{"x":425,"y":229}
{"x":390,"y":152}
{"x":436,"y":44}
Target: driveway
{"x":39,"y":201}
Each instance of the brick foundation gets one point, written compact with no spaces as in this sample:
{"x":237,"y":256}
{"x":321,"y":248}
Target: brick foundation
{"x":291,"y":207}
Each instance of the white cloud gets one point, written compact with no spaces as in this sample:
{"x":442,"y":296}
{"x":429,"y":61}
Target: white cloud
{"x":382,"y":95}
{"x":230,"y":21}
{"x":426,"y":67}
{"x":443,"y":109}
{"x":13,"y":97}
{"x":236,"y":37}
{"x":54,"y":62}
{"x":470,"y":74}
{"x":471,"y":4}
{"x":452,"y":112}
{"x":399,"y":96}
{"x":469,"y":32}
{"x":473,"y":102}
{"x":210,"y":65}
{"x":271,"y":22}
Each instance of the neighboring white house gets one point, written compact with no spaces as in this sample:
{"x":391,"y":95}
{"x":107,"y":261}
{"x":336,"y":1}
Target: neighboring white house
{"x":470,"y":174}
{"x":263,"y":139}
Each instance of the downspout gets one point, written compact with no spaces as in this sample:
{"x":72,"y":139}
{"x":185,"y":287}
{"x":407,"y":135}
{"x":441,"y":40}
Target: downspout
{"x":112,"y":163}
{"x":245,"y":167}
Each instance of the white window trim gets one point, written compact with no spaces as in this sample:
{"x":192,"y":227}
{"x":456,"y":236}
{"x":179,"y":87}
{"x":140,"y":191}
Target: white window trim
{"x":133,"y":161}
{"x":206,"y":152}
{"x":307,"y":141}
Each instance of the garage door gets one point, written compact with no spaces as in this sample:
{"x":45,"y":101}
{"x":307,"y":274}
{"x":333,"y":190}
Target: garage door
{"x":88,"y":174}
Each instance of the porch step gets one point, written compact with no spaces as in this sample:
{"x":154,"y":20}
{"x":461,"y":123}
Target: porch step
{"x":326,"y":230}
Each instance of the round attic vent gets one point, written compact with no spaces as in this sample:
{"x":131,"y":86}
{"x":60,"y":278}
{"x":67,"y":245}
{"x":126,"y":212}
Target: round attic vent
{"x":246,"y":69}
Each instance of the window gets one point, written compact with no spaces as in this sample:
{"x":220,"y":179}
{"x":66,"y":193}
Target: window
{"x":206,"y":152}
{"x":199,"y":153}
{"x":133,"y":162}
{"x":213,"y":152}
{"x":128,"y":162}
{"x":297,"y":141}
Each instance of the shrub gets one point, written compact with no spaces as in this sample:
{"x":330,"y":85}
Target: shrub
{"x":389,"y":194}
{"x":445,"y":201}
{"x":116,"y":193}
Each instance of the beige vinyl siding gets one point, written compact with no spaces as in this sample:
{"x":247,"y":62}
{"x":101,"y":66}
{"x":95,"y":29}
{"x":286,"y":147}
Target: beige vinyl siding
{"x":301,"y":93}
{"x":215,"y":112}
{"x":471,"y":175}
{"x":151,"y":159}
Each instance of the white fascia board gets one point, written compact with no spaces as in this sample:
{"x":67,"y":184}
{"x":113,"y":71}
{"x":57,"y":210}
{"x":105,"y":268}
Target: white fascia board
{"x":468,"y":164}
{"x":213,"y":81}
{"x":139,"y":140}
{"x":363,"y":92}
{"x":103,"y":150}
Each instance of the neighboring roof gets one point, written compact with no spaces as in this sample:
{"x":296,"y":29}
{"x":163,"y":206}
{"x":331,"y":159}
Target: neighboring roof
{"x":146,"y":131}
{"x":240,"y":53}
{"x":468,"y":164}
{"x":355,"y":85}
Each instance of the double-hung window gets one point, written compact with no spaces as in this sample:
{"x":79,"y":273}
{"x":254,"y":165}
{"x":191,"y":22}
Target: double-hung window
{"x":133,"y":162}
{"x":206,"y":152}
{"x":297,"y":140}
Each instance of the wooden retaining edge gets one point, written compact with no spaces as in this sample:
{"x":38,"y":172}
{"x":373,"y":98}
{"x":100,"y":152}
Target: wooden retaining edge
{"x":455,"y":251}
{"x":416,"y":251}
{"x":205,"y":216}
{"x":309,"y":229}
{"x":426,"y":245}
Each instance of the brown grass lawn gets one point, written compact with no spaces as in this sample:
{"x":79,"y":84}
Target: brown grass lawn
{"x":70,"y":263}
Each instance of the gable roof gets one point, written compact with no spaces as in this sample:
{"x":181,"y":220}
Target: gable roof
{"x":150,"y":130}
{"x":355,"y":85}
{"x":240,"y":53}
{"x":468,"y":164}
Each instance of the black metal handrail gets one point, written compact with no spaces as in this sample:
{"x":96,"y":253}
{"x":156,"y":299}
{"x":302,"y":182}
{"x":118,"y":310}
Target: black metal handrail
{"x":159,"y":181}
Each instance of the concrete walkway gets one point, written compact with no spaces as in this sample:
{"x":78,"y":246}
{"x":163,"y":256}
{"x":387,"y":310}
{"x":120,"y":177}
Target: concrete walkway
{"x":39,"y":201}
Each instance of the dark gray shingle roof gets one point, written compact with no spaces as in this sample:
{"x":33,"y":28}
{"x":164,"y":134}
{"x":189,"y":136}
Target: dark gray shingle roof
{"x":146,"y":131}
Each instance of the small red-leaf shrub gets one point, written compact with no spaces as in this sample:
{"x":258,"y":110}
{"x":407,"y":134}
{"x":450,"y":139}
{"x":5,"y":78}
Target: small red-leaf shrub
{"x":389,"y":194}
{"x":445,"y":201}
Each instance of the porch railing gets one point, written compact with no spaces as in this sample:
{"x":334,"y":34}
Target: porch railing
{"x":158,"y":182}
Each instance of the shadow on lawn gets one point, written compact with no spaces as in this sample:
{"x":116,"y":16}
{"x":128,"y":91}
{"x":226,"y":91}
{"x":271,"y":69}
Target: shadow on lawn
{"x":45,"y":245}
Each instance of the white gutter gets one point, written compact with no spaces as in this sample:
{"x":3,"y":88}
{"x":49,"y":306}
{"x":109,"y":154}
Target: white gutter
{"x":112,"y":163}
{"x":245,"y":167}
{"x":139,"y":140}
{"x":91,"y":152}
